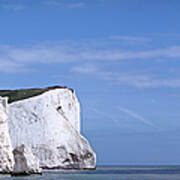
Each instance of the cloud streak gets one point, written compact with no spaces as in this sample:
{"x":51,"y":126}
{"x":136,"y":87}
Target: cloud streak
{"x":130,"y":38}
{"x":7,"y":66}
{"x":86,"y":69}
{"x":130,"y":113}
{"x":56,"y":3}
{"x":64,"y":53}
{"x":128,"y":79}
{"x":104,"y":115}
{"x":146,"y":81}
{"x":20,"y":58}
{"x":138,"y":117}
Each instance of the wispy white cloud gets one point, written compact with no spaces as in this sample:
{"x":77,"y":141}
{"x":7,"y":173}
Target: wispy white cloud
{"x":68,"y":52}
{"x":42,"y":54}
{"x":76,"y":5}
{"x":60,"y":53}
{"x":67,"y":4}
{"x":147,"y":81}
{"x":170,"y":52}
{"x":11,"y":67}
{"x":138,"y":117}
{"x":88,"y":60}
{"x":85,"y":68}
{"x":130,"y":38}
{"x":134,"y":115}
{"x":15,"y":7}
{"x":104,"y":115}
{"x":128,"y":79}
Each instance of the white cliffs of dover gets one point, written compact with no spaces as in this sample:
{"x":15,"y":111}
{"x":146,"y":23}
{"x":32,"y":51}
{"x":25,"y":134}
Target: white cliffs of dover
{"x":6,"y":156}
{"x":49,"y":124}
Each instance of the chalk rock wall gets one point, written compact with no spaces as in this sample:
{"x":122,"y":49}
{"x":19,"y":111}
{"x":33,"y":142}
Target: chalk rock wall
{"x":6,"y":156}
{"x":50,"y":125}
{"x":25,"y":162}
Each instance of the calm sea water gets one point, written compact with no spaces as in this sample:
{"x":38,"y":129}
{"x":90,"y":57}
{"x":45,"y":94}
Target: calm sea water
{"x":110,"y":173}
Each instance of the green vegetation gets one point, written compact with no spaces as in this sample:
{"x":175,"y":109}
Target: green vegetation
{"x":16,"y":95}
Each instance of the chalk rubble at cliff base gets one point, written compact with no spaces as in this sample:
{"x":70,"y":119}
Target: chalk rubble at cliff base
{"x":49,"y":124}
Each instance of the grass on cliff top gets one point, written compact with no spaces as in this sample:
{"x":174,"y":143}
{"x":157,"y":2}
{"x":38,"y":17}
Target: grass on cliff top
{"x":16,"y":95}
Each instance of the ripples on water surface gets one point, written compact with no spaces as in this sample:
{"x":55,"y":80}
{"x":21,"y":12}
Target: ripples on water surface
{"x":111,"y":173}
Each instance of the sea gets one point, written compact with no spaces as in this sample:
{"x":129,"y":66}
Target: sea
{"x":109,"y":173}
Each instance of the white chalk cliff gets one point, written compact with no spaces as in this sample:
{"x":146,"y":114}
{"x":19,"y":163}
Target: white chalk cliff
{"x":49,"y":124}
{"x":25,"y":162}
{"x":6,"y":156}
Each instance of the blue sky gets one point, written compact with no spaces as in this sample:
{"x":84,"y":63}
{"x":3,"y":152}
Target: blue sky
{"x":120,"y":56}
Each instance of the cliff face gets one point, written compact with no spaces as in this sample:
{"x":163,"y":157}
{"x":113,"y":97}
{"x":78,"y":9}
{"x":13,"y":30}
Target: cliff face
{"x":6,"y":156}
{"x":25,"y":162}
{"x":50,"y":125}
